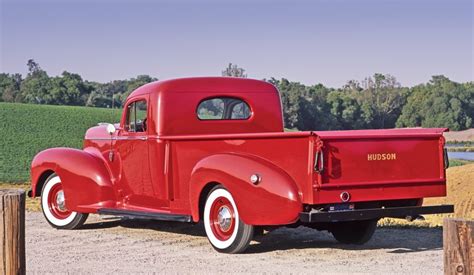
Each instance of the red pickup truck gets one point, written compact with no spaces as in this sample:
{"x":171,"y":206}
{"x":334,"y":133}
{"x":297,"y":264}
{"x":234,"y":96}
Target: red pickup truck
{"x":214,"y":150}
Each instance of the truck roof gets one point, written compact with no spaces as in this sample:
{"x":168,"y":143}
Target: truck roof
{"x":174,"y":105}
{"x":206,"y":84}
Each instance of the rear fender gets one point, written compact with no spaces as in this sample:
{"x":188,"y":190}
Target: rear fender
{"x":273,"y":201}
{"x":85,"y":177}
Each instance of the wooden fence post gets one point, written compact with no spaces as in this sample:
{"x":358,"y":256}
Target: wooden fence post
{"x":12,"y":231}
{"x":458,"y":236}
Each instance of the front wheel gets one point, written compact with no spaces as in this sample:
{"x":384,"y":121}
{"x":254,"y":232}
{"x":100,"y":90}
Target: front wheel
{"x":354,"y":232}
{"x":53,"y":204}
{"x":226,"y":232}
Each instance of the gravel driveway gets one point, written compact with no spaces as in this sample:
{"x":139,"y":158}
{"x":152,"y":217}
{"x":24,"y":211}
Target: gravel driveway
{"x":108,"y":245}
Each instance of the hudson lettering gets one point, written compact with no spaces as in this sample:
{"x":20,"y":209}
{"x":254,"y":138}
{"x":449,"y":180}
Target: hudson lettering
{"x":383,"y":156}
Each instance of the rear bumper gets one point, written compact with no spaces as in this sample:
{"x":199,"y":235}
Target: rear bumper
{"x":375,"y":213}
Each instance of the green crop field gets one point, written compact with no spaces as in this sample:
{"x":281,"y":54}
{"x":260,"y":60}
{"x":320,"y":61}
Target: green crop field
{"x":27,"y":129}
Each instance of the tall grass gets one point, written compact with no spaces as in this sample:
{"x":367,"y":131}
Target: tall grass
{"x":27,"y":129}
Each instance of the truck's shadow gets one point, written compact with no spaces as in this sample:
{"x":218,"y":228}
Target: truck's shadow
{"x":395,"y":240}
{"x":162,"y":226}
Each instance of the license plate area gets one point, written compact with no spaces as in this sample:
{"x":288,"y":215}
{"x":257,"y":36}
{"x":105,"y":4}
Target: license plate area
{"x":341,"y":207}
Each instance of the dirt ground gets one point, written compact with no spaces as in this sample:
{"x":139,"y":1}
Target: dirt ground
{"x":108,"y":245}
{"x":466,"y":135}
{"x":460,"y":192}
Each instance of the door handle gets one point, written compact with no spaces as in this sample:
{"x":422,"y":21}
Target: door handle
{"x":143,"y":138}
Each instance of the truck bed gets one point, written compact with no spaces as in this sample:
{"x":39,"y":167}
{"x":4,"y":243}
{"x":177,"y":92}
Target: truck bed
{"x":371,"y":165}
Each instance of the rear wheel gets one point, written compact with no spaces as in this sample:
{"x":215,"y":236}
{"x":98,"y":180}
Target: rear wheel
{"x":354,"y":232}
{"x":53,"y":204}
{"x":226,"y":232}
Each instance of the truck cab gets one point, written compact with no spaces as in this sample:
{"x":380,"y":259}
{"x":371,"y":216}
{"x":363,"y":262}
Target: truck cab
{"x":214,"y":149}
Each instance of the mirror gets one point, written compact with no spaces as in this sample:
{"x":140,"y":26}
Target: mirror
{"x":110,"y":129}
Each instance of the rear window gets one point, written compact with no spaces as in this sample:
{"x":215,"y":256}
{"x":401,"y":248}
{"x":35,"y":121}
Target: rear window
{"x":220,"y":108}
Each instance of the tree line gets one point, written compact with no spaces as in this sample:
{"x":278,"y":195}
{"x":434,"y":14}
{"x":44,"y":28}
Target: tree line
{"x":378,"y":101}
{"x":66,"y":89}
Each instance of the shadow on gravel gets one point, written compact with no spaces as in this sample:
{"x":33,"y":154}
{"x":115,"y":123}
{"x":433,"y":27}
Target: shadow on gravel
{"x":395,"y":240}
{"x":101,"y":225}
{"x":162,"y":226}
{"x":167,"y":226}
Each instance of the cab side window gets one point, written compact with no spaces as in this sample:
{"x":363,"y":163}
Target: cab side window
{"x":136,"y":117}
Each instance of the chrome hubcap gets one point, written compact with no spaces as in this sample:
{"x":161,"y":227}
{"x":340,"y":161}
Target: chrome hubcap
{"x":224,"y":218}
{"x":60,"y":201}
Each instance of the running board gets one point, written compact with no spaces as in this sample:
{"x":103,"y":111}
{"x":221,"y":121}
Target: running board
{"x":144,"y":215}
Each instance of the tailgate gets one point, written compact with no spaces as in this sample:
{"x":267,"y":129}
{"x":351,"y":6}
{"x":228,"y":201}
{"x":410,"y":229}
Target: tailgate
{"x":380,"y":157}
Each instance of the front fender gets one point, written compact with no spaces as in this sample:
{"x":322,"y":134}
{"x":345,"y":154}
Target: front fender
{"x":274,"y":201}
{"x":85,"y":177}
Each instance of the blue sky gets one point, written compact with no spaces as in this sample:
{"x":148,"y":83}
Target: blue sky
{"x":311,"y":42}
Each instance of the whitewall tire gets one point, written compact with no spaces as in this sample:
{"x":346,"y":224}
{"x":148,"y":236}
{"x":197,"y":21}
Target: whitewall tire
{"x":225,"y":230}
{"x":54,"y":206}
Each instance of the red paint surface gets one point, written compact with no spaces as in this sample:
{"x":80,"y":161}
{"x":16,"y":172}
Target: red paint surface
{"x":166,"y":168}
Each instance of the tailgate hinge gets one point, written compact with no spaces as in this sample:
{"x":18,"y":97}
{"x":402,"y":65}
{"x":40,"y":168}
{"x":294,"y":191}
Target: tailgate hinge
{"x":319,"y":157}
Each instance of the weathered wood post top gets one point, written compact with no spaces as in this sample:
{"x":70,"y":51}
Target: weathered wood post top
{"x":12,"y":231}
{"x":458,"y":241}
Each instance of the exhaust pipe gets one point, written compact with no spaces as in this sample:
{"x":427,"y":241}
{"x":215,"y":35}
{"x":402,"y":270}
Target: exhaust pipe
{"x":415,"y":218}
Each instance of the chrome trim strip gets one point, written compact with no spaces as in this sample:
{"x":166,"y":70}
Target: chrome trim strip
{"x":121,"y":138}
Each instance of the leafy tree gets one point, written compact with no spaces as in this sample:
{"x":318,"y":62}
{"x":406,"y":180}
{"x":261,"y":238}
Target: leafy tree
{"x":69,"y":89}
{"x":381,"y":101}
{"x":352,"y":85}
{"x":234,"y":71}
{"x":321,"y":117}
{"x":103,"y":93}
{"x":134,"y":83}
{"x":291,"y":100}
{"x":305,"y":108}
{"x":346,"y":109}
{"x":36,"y":86}
{"x":33,"y":67}
{"x":469,"y":106}
{"x":439,"y":103}
{"x":10,"y":87}
{"x":96,"y":99}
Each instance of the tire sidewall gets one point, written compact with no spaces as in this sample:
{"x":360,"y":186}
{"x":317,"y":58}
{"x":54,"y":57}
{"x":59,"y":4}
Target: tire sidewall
{"x":51,"y":181}
{"x":215,"y":242}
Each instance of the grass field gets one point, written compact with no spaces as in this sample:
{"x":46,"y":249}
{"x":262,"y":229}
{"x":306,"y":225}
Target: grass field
{"x":27,"y":129}
{"x":458,"y":162}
